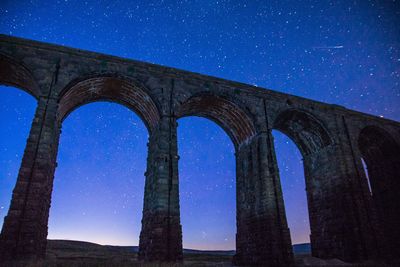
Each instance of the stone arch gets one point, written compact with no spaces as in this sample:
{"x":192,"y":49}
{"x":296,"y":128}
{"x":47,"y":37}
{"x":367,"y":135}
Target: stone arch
{"x":304,"y":129}
{"x":376,"y":143}
{"x":17,"y":75}
{"x":381,"y":153}
{"x":238,"y":123}
{"x":109,"y":88}
{"x":234,"y":119}
{"x":311,"y":137}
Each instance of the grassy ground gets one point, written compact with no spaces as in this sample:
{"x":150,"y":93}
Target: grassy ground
{"x":61,"y":253}
{"x":82,"y":254}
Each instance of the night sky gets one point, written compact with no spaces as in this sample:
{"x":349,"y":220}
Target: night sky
{"x":341,"y":52}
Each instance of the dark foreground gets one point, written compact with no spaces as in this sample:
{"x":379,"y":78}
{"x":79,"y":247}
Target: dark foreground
{"x":64,"y":253}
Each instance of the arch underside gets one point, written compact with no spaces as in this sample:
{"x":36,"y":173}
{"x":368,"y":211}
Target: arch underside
{"x":14,"y":74}
{"x":308,"y":133}
{"x":311,"y":138}
{"x":377,"y":143}
{"x":110,"y":89}
{"x":381,"y":154}
{"x":235,"y":122}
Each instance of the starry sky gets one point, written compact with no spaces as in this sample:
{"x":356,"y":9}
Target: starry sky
{"x":341,"y":52}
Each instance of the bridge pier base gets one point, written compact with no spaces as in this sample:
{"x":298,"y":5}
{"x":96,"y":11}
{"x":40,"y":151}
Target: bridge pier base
{"x":263,"y":237}
{"x":341,"y":220}
{"x":161,"y":235}
{"x":24,"y":232}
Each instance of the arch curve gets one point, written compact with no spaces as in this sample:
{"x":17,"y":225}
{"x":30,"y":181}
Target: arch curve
{"x":304,"y":129}
{"x":235,"y":121}
{"x":381,"y":153}
{"x":109,"y":88}
{"x":16,"y":74}
{"x":376,"y":142}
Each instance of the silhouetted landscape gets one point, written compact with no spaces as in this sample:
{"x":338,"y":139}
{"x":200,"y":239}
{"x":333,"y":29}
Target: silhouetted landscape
{"x":79,"y":253}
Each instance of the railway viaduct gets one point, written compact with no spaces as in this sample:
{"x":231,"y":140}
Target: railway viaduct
{"x":347,"y":220}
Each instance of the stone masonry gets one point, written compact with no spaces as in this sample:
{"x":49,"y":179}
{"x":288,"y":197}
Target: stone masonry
{"x":348,"y":220}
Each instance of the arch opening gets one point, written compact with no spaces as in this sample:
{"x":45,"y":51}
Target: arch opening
{"x":237,"y":123}
{"x":113,"y":89}
{"x":17,"y":109}
{"x":381,"y":154}
{"x":207,"y":185}
{"x":99,"y":182}
{"x":310,"y":137}
{"x":292,"y":177}
{"x":365,"y":168}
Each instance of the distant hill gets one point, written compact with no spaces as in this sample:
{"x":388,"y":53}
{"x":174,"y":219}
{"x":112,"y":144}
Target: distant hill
{"x":300,"y":249}
{"x":81,"y":246}
{"x":71,"y":245}
{"x":67,"y":253}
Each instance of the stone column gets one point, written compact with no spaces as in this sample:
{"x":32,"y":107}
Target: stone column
{"x":24,"y":230}
{"x":263,"y":237}
{"x":385,"y":185}
{"x":161,"y":235}
{"x":341,"y":219}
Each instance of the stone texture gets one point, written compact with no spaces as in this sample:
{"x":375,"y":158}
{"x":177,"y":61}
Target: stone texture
{"x":347,"y":221}
{"x":161,"y":235}
{"x":25,"y":227}
{"x":263,"y":236}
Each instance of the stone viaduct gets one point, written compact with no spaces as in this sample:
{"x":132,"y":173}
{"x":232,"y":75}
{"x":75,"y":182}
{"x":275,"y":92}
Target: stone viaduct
{"x":347,"y":221}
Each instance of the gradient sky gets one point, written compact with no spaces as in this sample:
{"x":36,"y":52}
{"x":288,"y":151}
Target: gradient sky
{"x":341,"y":52}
